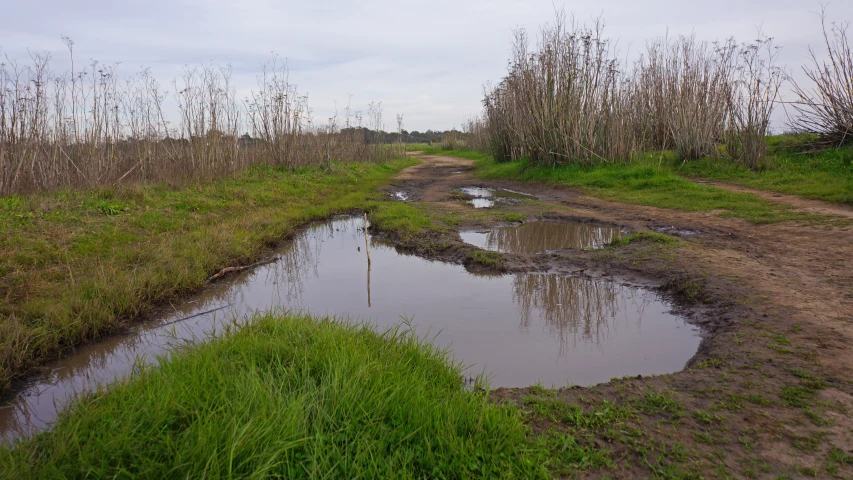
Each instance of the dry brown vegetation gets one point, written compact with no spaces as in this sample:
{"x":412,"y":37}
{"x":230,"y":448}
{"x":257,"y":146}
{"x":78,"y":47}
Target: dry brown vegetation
{"x":572,"y":100}
{"x":826,"y":109}
{"x":91,"y":127}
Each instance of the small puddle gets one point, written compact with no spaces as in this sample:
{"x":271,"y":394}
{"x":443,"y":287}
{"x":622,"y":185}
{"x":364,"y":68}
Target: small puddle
{"x":520,"y":329}
{"x":486,"y":197}
{"x":542,"y":236}
{"x":678,"y":232}
{"x":400,"y":195}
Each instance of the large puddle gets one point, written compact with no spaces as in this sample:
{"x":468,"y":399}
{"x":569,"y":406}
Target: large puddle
{"x":542,"y":236}
{"x":519,"y":329}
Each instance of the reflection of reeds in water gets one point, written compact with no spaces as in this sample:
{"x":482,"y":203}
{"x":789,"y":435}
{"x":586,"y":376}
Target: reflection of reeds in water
{"x":573,"y":308}
{"x":541,"y":236}
{"x":301,"y":258}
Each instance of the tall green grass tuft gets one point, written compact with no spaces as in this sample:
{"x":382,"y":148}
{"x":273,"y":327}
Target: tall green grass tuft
{"x":288,"y":397}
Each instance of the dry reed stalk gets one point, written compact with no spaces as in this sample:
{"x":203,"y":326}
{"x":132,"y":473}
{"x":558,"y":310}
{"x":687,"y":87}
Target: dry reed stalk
{"x":91,"y":128}
{"x":826,"y":109}
{"x":571,"y":100}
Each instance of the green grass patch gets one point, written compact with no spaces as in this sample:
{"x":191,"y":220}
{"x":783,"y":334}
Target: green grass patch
{"x":292,"y":397}
{"x":645,"y":183}
{"x":492,"y":260}
{"x":75,"y":264}
{"x":793,"y":169}
{"x":603,"y":415}
{"x":568,"y":454}
{"x":657,"y":179}
{"x":656,"y":402}
{"x":654,"y":237}
{"x":512,"y":217}
{"x":799,"y":396}
{"x":406,"y":220}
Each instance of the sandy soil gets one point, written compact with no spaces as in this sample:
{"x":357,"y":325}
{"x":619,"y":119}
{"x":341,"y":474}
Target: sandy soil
{"x":775,"y":303}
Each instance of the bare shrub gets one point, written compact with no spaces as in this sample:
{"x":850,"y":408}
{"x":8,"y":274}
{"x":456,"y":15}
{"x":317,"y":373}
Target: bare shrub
{"x":476,"y":134}
{"x":756,"y":89}
{"x":452,"y":141}
{"x":92,"y":128}
{"x":826,"y":109}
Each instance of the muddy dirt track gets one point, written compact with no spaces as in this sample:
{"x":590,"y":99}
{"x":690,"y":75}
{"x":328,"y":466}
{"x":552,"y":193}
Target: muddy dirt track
{"x":776,"y":305}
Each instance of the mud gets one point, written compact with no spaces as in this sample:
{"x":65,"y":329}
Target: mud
{"x":774,"y":301}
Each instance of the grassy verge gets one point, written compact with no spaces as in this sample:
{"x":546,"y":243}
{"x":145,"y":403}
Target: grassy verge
{"x":288,"y":397}
{"x":74,"y":265}
{"x":646,"y":183}
{"x":825,"y":175}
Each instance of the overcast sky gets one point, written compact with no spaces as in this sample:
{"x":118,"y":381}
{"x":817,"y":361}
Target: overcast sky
{"x":425,"y":60}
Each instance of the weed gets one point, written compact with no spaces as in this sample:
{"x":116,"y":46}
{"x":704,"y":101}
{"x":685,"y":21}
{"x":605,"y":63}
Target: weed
{"x":567,"y":455}
{"x":710,"y":363}
{"x":655,"y":402}
{"x":708,"y":438}
{"x":798,"y":397}
{"x":655,"y":237}
{"x":491,"y":260}
{"x":707,"y":418}
{"x":817,"y":419}
{"x":807,"y":444}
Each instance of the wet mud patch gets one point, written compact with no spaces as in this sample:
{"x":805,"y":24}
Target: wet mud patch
{"x":542,"y":237}
{"x":678,"y":232}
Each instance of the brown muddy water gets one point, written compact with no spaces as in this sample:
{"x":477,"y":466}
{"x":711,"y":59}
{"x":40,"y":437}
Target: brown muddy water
{"x":519,"y":329}
{"x":542,"y":236}
{"x":486,"y":197}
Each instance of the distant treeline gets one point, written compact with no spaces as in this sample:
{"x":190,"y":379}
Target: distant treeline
{"x":371,"y":136}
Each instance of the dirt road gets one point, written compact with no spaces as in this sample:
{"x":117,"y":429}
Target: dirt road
{"x":776,"y":303}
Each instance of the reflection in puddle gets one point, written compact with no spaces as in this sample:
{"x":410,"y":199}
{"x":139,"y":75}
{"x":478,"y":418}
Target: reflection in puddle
{"x":544,"y":236}
{"x":482,"y":203}
{"x":400,"y":195}
{"x":486,"y":197}
{"x":519,"y":329}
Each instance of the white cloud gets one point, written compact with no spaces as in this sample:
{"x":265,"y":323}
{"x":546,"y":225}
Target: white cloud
{"x":426,"y":60}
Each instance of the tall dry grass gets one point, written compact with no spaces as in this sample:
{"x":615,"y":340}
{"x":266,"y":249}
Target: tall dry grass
{"x":825,"y":108}
{"x":573,"y":100}
{"x":91,"y":127}
{"x":566,"y":101}
{"x":680,"y":92}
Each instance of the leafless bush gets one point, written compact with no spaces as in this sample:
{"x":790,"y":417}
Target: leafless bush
{"x":452,"y":141}
{"x":476,"y":135}
{"x":826,"y":109}
{"x":92,"y":128}
{"x":756,"y":89}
